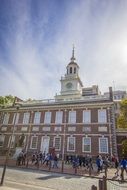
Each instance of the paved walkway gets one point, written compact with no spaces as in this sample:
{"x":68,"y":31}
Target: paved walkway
{"x":67,"y":169}
{"x":7,"y":188}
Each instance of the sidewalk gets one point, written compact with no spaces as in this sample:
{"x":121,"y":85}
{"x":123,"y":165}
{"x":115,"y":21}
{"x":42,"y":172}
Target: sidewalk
{"x":7,"y":188}
{"x":23,"y":186}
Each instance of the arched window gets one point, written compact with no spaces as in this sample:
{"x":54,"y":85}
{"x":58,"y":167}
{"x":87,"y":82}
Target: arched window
{"x":70,"y":69}
{"x":74,"y":70}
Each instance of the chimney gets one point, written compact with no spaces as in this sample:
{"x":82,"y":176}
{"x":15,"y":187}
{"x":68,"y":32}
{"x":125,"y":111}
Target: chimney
{"x":110,"y":93}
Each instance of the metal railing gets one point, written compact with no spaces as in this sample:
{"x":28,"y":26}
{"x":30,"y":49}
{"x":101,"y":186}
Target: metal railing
{"x":116,"y":185}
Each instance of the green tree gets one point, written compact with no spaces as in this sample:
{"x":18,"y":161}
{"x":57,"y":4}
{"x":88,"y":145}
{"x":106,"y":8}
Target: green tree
{"x":122,"y":119}
{"x":124,"y":147}
{"x":6,"y":100}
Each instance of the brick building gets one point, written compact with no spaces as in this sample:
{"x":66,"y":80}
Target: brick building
{"x":75,"y":122}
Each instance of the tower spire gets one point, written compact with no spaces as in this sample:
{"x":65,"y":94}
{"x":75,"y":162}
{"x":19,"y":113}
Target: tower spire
{"x":73,"y":52}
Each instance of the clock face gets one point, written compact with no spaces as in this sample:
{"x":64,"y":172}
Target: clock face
{"x":69,"y":85}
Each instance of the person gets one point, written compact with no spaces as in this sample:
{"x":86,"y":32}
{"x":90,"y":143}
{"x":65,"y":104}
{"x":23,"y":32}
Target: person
{"x":67,"y":159}
{"x":19,"y":158}
{"x":117,"y":167}
{"x":75,"y":162}
{"x":33,"y":158}
{"x":123,"y":165}
{"x":47,"y":158}
{"x":99,"y":163}
{"x":55,"y":162}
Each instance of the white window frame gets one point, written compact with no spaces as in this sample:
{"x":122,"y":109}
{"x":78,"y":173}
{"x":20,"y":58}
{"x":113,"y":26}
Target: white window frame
{"x":36,"y":143}
{"x":2,"y":139}
{"x":72,"y":117}
{"x":68,"y":144}
{"x":87,"y":116}
{"x":47,"y":118}
{"x":26,"y":118}
{"x":59,"y":117}
{"x":102,"y":116}
{"x":37,"y":117}
{"x":83,"y":144}
{"x":12,"y":145}
{"x":100,"y":148}
{"x":6,"y":118}
{"x":54,"y":144}
{"x":16,"y":120}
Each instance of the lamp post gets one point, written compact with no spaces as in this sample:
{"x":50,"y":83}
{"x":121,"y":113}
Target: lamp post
{"x":64,"y":138}
{"x":29,"y":132}
{"x":110,"y":131}
{"x":9,"y":148}
{"x":28,"y":138}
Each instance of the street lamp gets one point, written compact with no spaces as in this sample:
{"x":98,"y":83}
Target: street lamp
{"x":110,"y":131}
{"x":64,"y":138}
{"x":9,"y":148}
{"x":29,"y":132}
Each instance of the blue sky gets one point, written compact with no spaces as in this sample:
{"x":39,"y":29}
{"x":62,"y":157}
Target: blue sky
{"x":36,"y":38}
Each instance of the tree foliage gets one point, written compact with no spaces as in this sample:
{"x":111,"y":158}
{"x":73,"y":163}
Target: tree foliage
{"x":6,"y":100}
{"x":124,"y":147}
{"x":122,"y":119}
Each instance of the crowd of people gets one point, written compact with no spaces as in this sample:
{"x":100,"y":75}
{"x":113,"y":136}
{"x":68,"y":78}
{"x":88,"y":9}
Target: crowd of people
{"x":99,"y":163}
{"x":37,"y":158}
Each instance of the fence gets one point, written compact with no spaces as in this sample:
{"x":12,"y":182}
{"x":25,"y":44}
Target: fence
{"x":116,"y":185}
{"x":106,"y":181}
{"x":106,"y":184}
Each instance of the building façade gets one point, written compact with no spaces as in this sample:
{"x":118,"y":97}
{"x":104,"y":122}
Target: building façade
{"x":79,"y":121}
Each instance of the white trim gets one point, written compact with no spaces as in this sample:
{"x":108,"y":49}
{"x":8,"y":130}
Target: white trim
{"x":68,"y":139}
{"x":32,"y":142}
{"x":86,"y":137}
{"x":57,"y":137}
{"x":45,"y":146}
{"x":47,"y":117}
{"x":12,"y":141}
{"x":15,"y":119}
{"x":72,"y":117}
{"x":59,"y":117}
{"x":102,"y":116}
{"x":6,"y":118}
{"x":104,"y":138}
{"x":26,"y":118}
{"x":37,"y":117}
{"x":86,"y":116}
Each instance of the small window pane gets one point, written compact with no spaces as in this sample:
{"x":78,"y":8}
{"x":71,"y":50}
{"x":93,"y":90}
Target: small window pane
{"x":26,"y":118}
{"x":34,"y":141}
{"x":59,"y":116}
{"x":103,"y":142}
{"x":37,"y":117}
{"x":86,"y":116}
{"x":102,"y":116}
{"x":47,"y":119}
{"x":71,"y":144}
{"x":57,"y":143}
{"x":72,"y":116}
{"x":6,"y":118}
{"x":86,"y":144}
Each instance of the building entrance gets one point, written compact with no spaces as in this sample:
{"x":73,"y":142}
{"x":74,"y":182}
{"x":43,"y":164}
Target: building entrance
{"x":45,"y":144}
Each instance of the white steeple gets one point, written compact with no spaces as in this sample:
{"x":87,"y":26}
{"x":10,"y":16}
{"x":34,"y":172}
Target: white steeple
{"x":71,"y":85}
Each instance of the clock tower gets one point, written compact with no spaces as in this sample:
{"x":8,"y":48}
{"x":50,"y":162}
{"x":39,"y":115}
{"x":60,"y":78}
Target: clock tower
{"x":71,"y":85}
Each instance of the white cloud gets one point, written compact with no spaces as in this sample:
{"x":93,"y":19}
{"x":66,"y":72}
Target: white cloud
{"x":35,"y":64}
